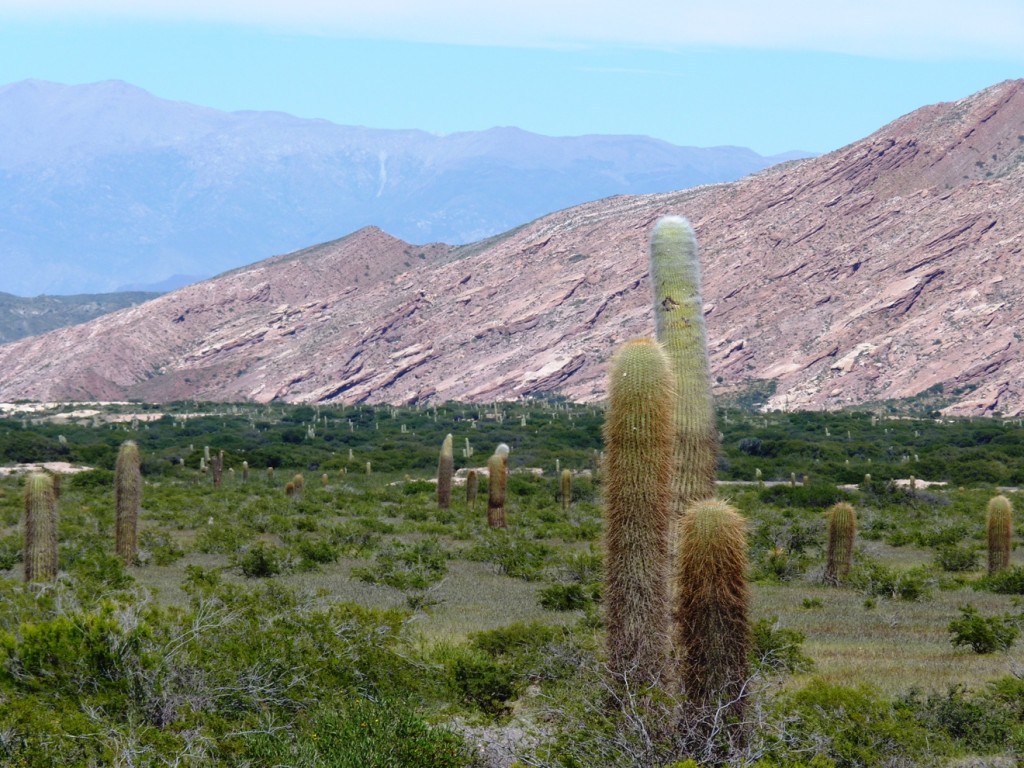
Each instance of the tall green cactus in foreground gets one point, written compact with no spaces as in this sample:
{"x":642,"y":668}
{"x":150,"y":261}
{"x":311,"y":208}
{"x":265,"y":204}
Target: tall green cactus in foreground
{"x":712,"y":628}
{"x":638,"y":436}
{"x":127,"y":500}
{"x":842,"y":531}
{"x":40,"y":557}
{"x":566,"y":489}
{"x":679,"y":322}
{"x":1000,"y":533}
{"x":445,"y":470}
{"x":497,"y":483}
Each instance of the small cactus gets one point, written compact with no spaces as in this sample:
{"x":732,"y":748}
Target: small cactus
{"x":638,"y":436}
{"x":127,"y":499}
{"x":217,"y":468}
{"x":1000,"y":533}
{"x":445,"y":470}
{"x":472,"y":486}
{"x":566,"y":489}
{"x":40,"y":528}
{"x":842,"y":532}
{"x":369,"y":468}
{"x":270,"y":475}
{"x":712,"y":627}
{"x":245,"y":471}
{"x":497,"y":471}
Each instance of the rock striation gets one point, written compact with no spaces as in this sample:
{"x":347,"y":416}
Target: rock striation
{"x":884,"y":269}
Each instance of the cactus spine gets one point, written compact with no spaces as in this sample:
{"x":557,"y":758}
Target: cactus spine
{"x":40,"y":528}
{"x":638,"y":435}
{"x":566,"y":489}
{"x":1000,"y":533}
{"x":842,"y":531}
{"x":445,"y":469}
{"x":128,"y":499}
{"x":679,"y":321}
{"x":712,"y":629}
{"x":472,"y":486}
{"x":497,"y":472}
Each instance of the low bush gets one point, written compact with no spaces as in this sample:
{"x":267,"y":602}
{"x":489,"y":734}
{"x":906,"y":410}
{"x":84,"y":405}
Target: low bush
{"x":984,"y":634}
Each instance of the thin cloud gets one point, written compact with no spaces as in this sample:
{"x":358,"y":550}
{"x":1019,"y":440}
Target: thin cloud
{"x":895,"y":28}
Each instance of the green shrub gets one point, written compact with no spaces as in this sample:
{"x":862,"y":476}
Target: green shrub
{"x":852,"y":727}
{"x":483,"y":681}
{"x":406,"y":566}
{"x":564,"y":597}
{"x":984,"y":634}
{"x":357,"y":733}
{"x":956,"y":559}
{"x":1008,"y":582}
{"x":511,"y":554}
{"x":261,"y":562}
{"x":877,"y":580}
{"x":777,"y":649}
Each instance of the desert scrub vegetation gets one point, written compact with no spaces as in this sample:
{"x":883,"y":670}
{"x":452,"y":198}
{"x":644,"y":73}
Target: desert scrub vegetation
{"x":257,"y":629}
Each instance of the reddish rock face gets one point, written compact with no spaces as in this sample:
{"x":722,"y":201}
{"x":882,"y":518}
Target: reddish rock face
{"x":877,"y":271}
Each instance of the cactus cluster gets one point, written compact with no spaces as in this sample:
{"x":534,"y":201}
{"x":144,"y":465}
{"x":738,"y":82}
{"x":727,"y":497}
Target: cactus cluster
{"x":676,"y":591}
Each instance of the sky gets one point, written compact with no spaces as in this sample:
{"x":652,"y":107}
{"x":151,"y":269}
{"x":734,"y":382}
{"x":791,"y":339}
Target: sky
{"x":809,"y":75}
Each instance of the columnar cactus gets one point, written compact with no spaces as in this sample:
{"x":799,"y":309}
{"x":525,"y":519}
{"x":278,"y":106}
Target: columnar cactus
{"x":639,"y":437}
{"x":712,"y":629}
{"x":445,"y":470}
{"x":245,"y":471}
{"x":40,"y":556}
{"x":217,"y":468}
{"x":497,"y":482}
{"x":472,"y":486}
{"x":127,"y":499}
{"x":270,"y":475}
{"x":679,"y":322}
{"x":1000,"y":533}
{"x":566,"y":489}
{"x":842,"y":531}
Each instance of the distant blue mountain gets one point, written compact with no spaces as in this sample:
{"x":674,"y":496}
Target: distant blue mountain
{"x":105,"y":185}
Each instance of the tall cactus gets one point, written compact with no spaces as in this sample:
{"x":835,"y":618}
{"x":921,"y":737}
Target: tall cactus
{"x":712,"y":629}
{"x":1000,"y":533}
{"x":127,"y":500}
{"x":679,"y":322}
{"x":497,"y":483}
{"x":842,"y":531}
{"x":40,"y":528}
{"x":638,"y":435}
{"x":566,"y":484}
{"x":445,"y":470}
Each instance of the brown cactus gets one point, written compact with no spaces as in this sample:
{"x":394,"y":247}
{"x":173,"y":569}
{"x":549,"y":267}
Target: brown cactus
{"x":128,"y":499}
{"x":40,"y":528}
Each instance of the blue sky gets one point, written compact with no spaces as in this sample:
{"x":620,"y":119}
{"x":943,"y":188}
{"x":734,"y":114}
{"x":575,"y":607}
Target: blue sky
{"x":790,"y":74}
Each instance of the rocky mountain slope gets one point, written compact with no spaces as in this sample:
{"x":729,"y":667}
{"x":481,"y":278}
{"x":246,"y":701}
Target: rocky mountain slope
{"x":884,"y":269}
{"x":104,"y":185}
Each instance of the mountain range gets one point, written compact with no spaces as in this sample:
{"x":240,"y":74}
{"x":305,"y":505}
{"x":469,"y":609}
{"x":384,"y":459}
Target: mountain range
{"x":886,"y":269}
{"x":106,"y":185}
